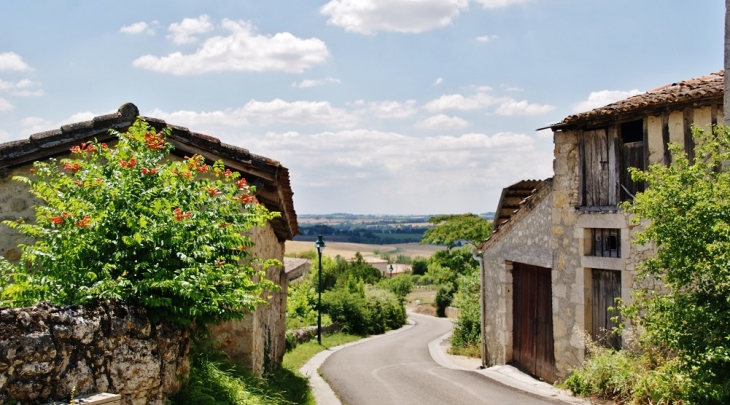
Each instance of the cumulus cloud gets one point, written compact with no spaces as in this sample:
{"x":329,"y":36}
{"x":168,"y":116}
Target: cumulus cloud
{"x":185,"y":31}
{"x":22,"y":88}
{"x":492,"y":4}
{"x":137,"y":28}
{"x":408,"y":16}
{"x":514,"y":107}
{"x":442,"y":122}
{"x":12,"y":61}
{"x":264,"y":113}
{"x":604,"y":97}
{"x":460,"y":102}
{"x":379,"y":171}
{"x":244,"y":51}
{"x":387,"y":109}
{"x":438,"y":81}
{"x":6,"y":105}
{"x":33,"y":125}
{"x":306,"y":83}
{"x":486,"y":38}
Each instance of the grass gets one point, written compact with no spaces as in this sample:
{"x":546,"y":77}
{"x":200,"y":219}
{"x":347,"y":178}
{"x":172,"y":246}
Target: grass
{"x":423,"y":295}
{"x":469,"y":351}
{"x":216,"y":380}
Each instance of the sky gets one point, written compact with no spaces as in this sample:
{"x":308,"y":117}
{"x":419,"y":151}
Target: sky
{"x":375,"y":106}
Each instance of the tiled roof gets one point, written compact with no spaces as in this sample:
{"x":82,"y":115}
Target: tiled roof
{"x":271,"y":178}
{"x":516,"y":201}
{"x":708,"y":88}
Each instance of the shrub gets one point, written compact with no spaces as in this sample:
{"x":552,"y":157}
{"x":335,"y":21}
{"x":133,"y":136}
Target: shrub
{"x":467,"y":327}
{"x":444,"y":295}
{"x":301,"y":306}
{"x":399,"y":285}
{"x":130,"y":224}
{"x":419,"y":266}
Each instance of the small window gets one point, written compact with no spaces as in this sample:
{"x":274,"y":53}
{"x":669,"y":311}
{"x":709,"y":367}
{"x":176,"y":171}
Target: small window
{"x":606,"y":242}
{"x":632,"y":131}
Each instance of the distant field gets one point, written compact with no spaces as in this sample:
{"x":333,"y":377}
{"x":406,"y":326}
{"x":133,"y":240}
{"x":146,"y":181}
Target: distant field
{"x":347,"y":250}
{"x":399,"y":236}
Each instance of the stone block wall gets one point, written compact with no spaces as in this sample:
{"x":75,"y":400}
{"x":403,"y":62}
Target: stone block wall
{"x":525,"y":239}
{"x":258,"y":341}
{"x":45,"y":351}
{"x":15,"y":202}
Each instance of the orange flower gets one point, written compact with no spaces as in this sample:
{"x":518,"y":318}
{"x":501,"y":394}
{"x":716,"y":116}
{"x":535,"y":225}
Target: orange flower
{"x":212,"y":191}
{"x":247,"y":199}
{"x":72,"y":167}
{"x":83,"y":223}
{"x":57,"y":220}
{"x":228,"y":172}
{"x":203,"y":168}
{"x":241,"y":183}
{"x":79,"y":183}
{"x":154,"y":141}
{"x":132,"y":162}
{"x":65,"y":214}
{"x":32,"y":171}
{"x":103,"y":146}
{"x":75,"y":149}
{"x":220,"y":263}
{"x":180,"y":215}
{"x":244,"y":248}
{"x":225,"y":224}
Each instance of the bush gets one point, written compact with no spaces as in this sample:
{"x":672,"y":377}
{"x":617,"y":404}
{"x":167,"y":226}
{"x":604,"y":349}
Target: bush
{"x":131,"y":224}
{"x":363,"y":311}
{"x":301,"y":306}
{"x":467,"y":328}
{"x":399,"y":285}
{"x":444,"y":295}
{"x":419,"y":266}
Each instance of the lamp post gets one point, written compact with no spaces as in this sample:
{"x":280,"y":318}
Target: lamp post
{"x":319,"y":245}
{"x":390,"y":268}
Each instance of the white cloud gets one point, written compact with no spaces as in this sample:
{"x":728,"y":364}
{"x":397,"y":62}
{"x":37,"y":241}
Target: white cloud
{"x":486,"y":38}
{"x":79,"y":117}
{"x":33,"y":125}
{"x":23,"y":88}
{"x":12,"y":61}
{"x":438,"y":81}
{"x":442,"y":122}
{"x":306,"y":83}
{"x":299,"y":112}
{"x":460,"y":102}
{"x":6,"y":105}
{"x":377,"y":171}
{"x":4,"y":136}
{"x":408,"y":16}
{"x":197,"y":121}
{"x":264,"y":113}
{"x":137,"y":28}
{"x":514,"y":107}
{"x":387,"y":109}
{"x":604,"y":97}
{"x":492,"y":4}
{"x":185,"y":31}
{"x":242,"y":51}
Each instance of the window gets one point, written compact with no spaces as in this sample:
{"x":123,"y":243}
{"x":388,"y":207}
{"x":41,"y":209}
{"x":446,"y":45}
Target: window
{"x":605,"y":242}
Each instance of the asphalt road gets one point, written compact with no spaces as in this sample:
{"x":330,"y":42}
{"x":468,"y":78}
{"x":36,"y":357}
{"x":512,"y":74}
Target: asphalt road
{"x":398,"y":369}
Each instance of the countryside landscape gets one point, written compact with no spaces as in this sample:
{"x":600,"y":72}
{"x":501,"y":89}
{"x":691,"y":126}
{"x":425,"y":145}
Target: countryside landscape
{"x":365,"y":202}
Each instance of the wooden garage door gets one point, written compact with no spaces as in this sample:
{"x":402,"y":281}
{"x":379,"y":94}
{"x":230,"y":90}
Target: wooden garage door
{"x":532,"y":317}
{"x":606,"y":288}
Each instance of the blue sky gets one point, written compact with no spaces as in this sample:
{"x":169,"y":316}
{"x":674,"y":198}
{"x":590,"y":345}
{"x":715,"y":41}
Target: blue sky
{"x":375,"y":106}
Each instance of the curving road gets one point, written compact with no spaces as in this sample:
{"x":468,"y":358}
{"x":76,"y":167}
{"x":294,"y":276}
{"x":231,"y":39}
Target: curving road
{"x":398,"y":369}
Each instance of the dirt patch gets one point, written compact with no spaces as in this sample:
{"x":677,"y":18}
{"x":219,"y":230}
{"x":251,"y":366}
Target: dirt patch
{"x":422,"y":309}
{"x":347,"y":250}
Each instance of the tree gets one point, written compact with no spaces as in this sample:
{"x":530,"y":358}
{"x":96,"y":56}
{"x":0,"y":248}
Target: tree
{"x":128,"y":223}
{"x":686,"y":209}
{"x":448,"y":229}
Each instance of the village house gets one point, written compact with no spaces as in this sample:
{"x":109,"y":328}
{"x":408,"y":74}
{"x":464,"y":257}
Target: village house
{"x":561,"y":251}
{"x":257,"y":342}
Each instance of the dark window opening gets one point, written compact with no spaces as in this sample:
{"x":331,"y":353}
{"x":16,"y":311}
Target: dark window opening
{"x":632,"y":131}
{"x":606,"y":242}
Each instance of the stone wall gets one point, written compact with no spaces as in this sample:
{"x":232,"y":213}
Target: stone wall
{"x":45,"y":351}
{"x":525,"y":239}
{"x":15,"y":202}
{"x":258,"y":342}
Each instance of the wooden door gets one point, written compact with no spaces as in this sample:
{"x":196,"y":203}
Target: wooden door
{"x":532,"y":315}
{"x":606,"y":288}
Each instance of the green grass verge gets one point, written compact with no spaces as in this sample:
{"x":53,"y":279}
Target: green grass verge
{"x":217,"y":380}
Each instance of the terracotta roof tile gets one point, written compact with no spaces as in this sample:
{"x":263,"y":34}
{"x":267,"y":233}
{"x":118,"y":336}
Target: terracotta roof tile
{"x":709,"y":87}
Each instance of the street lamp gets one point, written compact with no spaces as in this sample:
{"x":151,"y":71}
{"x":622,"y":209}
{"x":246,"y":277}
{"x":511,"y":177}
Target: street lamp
{"x":390,"y":268}
{"x":319,"y":245}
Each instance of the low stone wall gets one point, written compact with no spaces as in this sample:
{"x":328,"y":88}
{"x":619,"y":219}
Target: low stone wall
{"x":46,"y":351}
{"x":307,"y":333}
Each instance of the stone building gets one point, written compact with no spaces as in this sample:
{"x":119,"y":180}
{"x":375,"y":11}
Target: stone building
{"x":561,"y":250}
{"x":258,"y":341}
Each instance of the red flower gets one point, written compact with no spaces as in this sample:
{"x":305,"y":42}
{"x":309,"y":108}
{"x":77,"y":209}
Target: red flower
{"x":225,"y":224}
{"x":154,"y":141}
{"x":180,"y":215}
{"x":241,"y":183}
{"x":79,"y":183}
{"x":103,"y":146}
{"x":203,"y":168}
{"x":212,"y":191}
{"x":228,"y":172}
{"x":220,"y":263}
{"x":247,"y":199}
{"x":83,"y":223}
{"x":57,"y":220}
{"x":75,"y":149}
{"x":65,"y":214}
{"x":32,"y":171}
{"x":72,"y":167}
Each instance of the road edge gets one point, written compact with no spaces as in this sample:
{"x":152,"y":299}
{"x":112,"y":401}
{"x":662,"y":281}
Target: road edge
{"x":323,"y":393}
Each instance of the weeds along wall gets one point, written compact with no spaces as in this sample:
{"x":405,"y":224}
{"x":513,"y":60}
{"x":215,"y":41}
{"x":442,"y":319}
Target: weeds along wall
{"x":46,"y":351}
